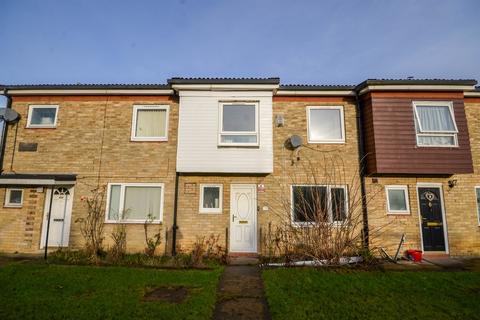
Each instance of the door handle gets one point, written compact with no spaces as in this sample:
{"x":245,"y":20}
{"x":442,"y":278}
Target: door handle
{"x":233,"y":218}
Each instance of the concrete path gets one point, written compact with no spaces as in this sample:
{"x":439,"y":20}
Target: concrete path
{"x":240,"y":294}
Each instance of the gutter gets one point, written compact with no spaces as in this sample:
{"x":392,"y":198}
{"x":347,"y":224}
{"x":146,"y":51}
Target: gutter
{"x":4,"y":129}
{"x":362,"y":158}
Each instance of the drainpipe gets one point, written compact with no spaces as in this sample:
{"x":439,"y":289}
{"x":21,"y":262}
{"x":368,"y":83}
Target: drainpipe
{"x":175,"y":206}
{"x":4,"y":129}
{"x":48,"y":224}
{"x":362,"y":161}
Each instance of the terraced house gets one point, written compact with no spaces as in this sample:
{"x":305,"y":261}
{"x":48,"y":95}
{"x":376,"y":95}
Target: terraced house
{"x":223,"y":156}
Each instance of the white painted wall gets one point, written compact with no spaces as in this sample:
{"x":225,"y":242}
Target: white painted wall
{"x":198,"y":126}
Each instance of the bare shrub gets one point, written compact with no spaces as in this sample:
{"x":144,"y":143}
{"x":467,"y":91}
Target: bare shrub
{"x":151,"y":242}
{"x":207,"y":248}
{"x":91,"y":226}
{"x":119,"y":237}
{"x":318,"y":211}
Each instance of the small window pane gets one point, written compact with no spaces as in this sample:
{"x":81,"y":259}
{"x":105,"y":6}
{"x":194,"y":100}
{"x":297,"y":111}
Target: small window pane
{"x":151,"y":123}
{"x":43,"y":116}
{"x":238,"y":118}
{"x":396,"y":200}
{"x":15,"y":197}
{"x":239,"y":139}
{"x":142,"y":202}
{"x":436,"y":140}
{"x":211,"y":197}
{"x":310,"y":204}
{"x":325,"y":124}
{"x":338,"y":204}
{"x":114,"y":208}
{"x":435,"y":119}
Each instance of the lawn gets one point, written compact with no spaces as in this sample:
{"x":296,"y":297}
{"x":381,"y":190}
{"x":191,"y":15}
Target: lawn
{"x":315,"y":294}
{"x":42,"y":291}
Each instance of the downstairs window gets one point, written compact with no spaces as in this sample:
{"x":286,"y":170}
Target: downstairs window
{"x":134,"y":202}
{"x":314,"y":204}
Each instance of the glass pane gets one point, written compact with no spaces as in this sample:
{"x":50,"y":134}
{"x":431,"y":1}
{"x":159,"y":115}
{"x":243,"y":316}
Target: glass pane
{"x":396,"y":200}
{"x":114,"y":207}
{"x":436,"y":140}
{"x":211,"y":197}
{"x":43,"y":116}
{"x":238,"y":118}
{"x":435,"y":118}
{"x":338,"y":204}
{"x":310,"y":204}
{"x":15,"y":196}
{"x":325,"y":124}
{"x":142,"y":202}
{"x":239,"y":139}
{"x":151,"y":123}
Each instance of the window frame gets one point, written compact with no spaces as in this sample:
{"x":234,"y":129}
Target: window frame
{"x":41,"y":106}
{"x":123,"y":185}
{"x":404,"y":188}
{"x":423,"y":133}
{"x":238,"y":133}
{"x":342,"y":125}
{"x":138,"y":107}
{"x":476,"y":204}
{"x":7,"y":203}
{"x":220,"y":201}
{"x":329,"y":204}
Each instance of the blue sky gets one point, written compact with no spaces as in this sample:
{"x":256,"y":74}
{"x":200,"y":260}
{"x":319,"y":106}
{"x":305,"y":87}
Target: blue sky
{"x":324,"y":42}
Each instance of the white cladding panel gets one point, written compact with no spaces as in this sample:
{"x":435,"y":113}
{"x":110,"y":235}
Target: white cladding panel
{"x":198,"y":129}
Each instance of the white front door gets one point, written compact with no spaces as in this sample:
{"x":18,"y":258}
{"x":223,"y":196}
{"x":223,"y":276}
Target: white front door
{"x":243,"y":218}
{"x":60,"y":217}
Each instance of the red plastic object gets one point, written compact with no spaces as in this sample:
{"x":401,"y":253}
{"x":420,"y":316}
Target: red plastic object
{"x":416,"y":255}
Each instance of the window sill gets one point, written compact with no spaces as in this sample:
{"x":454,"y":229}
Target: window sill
{"x":40,"y":127}
{"x":210,"y":212}
{"x":398,"y":213}
{"x":132,"y":222}
{"x":148,"y":139}
{"x":326,"y":142}
{"x":16,"y":206}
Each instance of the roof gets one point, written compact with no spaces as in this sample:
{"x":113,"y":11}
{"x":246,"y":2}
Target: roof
{"x":81,"y":86}
{"x":447,"y":82}
{"x":179,"y":80}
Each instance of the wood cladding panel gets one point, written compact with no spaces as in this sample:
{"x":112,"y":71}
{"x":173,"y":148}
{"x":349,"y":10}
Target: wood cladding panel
{"x":390,"y":139}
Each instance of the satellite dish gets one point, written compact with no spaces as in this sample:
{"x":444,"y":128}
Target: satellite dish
{"x":9,"y":115}
{"x":295,"y":141}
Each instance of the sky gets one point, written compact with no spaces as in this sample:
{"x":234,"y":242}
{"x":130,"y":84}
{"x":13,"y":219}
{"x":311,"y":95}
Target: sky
{"x":302,"y":42}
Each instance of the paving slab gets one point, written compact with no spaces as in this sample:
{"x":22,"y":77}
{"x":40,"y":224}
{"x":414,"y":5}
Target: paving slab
{"x":240,"y":294}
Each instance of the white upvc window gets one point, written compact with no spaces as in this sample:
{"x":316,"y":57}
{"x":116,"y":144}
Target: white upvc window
{"x":312,"y":204}
{"x":397,"y":199}
{"x":42,"y":116}
{"x":134,"y":202}
{"x":211,"y":198}
{"x":326,"y":124}
{"x":150,"y":123}
{"x":477,"y":193}
{"x":238,"y":124}
{"x":13,"y":198}
{"x":435,"y":124}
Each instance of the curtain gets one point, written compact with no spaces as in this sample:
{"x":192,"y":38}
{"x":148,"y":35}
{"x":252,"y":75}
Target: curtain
{"x":435,"y":118}
{"x":141,"y":202}
{"x":436,"y":140}
{"x":151,"y":123}
{"x":114,"y":208}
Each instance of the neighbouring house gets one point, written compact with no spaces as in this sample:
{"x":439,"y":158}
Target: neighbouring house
{"x":229,"y":156}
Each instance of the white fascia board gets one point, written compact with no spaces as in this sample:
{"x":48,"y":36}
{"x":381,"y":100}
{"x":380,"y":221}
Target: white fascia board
{"x":60,"y":92}
{"x":226,"y":87}
{"x":315,"y":93}
{"x":416,"y":88}
{"x":472,"y":94}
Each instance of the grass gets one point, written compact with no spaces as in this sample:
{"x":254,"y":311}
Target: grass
{"x":316,"y":294}
{"x":40,"y":291}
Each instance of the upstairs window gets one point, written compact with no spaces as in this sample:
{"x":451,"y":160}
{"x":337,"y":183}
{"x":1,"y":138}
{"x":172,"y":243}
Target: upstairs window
{"x":150,"y":123}
{"x":325,"y":124}
{"x":315,"y":204}
{"x":435,"y":124}
{"x":42,"y":116}
{"x":135,"y":202}
{"x":238,"y":124}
